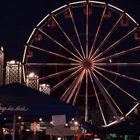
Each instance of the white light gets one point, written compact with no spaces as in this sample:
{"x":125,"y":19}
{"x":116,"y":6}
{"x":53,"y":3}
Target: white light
{"x":31,"y":74}
{"x":75,"y":123}
{"x":12,"y":62}
{"x":19,"y":117}
{"x":51,"y":122}
{"x":72,"y":119}
{"x":48,"y":85}
{"x":110,"y":60}
{"x":1,"y":48}
{"x":114,"y":117}
{"x":5,"y":119}
{"x":43,"y":85}
{"x":40,"y":119}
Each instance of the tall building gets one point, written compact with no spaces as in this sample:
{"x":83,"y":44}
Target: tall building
{"x":13,"y":72}
{"x":32,"y":81}
{"x":45,"y":88}
{"x":1,"y":65}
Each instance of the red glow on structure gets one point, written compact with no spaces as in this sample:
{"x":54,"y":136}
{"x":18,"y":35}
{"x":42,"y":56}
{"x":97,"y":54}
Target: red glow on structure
{"x":51,"y":23}
{"x":29,"y":54}
{"x":88,"y":12}
{"x":67,"y":15}
{"x":124,"y":22}
{"x":38,"y":37}
{"x":107,"y":14}
{"x":137,"y":36}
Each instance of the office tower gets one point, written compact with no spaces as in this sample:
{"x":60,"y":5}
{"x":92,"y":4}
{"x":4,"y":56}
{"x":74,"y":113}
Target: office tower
{"x":13,"y":72}
{"x":1,"y":65}
{"x":45,"y":88}
{"x":32,"y":81}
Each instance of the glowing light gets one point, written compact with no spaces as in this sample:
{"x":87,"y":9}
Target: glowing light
{"x":66,"y":124}
{"x":52,"y":122}
{"x":40,"y":119}
{"x":43,"y":85}
{"x":1,"y":48}
{"x":72,"y":119}
{"x":110,"y":60}
{"x":12,"y":62}
{"x":76,"y":123}
{"x":19,"y":117}
{"x":31,"y":74}
{"x":5,"y":119}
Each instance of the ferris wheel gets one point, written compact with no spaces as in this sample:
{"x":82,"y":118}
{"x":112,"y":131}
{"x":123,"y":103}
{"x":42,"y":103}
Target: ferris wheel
{"x":88,"y":51}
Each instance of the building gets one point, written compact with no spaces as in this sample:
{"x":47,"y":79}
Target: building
{"x":32,"y":80}
{"x":1,"y":65}
{"x":13,"y":72}
{"x":45,"y":88}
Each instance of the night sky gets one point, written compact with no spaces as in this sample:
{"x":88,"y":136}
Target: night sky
{"x":18,"y":18}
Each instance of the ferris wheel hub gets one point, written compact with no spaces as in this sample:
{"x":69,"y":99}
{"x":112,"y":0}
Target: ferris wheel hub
{"x":87,"y":63}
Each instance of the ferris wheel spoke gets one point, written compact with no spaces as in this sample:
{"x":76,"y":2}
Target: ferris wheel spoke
{"x":69,"y":89}
{"x":107,"y":36}
{"x":86,"y":98}
{"x":65,"y":79}
{"x":56,"y":42}
{"x":76,"y":85}
{"x":117,"y":86}
{"x":98,"y":101}
{"x":58,"y":73}
{"x":51,"y":64}
{"x":67,"y":93}
{"x":118,"y":54}
{"x":116,"y":43}
{"x":137,"y":104}
{"x":77,"y":93}
{"x":97,"y":32}
{"x":87,"y":30}
{"x":76,"y":31}
{"x":68,"y":39}
{"x":105,"y":94}
{"x":53,"y":53}
{"x":118,"y":74}
{"x":117,"y":64}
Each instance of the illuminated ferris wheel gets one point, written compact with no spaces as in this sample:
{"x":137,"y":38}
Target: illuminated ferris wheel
{"x":88,"y":52}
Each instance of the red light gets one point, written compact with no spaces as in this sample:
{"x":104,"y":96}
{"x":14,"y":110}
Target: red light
{"x":67,"y":15}
{"x":89,"y":11}
{"x":107,"y":14}
{"x":124,"y":22}
{"x":51,"y":23}
{"x":137,"y":36}
{"x":38,"y":37}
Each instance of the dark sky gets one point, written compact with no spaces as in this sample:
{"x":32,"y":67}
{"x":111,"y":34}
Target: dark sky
{"x":19,"y":17}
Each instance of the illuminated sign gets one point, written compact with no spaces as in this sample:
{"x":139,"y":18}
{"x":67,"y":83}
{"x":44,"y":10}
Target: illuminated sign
{"x":11,"y":108}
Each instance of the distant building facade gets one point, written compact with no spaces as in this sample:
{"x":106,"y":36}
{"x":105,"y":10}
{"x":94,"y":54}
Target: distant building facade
{"x":13,"y":72}
{"x":45,"y":88}
{"x":32,"y":80}
{"x":1,"y":65}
